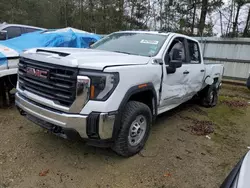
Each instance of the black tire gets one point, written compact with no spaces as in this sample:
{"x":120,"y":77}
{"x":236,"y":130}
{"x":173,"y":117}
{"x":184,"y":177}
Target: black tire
{"x":209,"y":96}
{"x":132,"y":110}
{"x":248,"y":82}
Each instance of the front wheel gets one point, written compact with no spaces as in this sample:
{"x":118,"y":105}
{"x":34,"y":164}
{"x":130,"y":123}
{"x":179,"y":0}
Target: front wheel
{"x":209,"y":97}
{"x":135,"y":127}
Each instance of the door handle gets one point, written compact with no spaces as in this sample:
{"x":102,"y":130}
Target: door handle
{"x":202,"y":70}
{"x":186,"y":72}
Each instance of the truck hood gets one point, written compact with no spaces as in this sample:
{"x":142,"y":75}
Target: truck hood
{"x":8,"y":52}
{"x":9,"y":59}
{"x":84,"y":58}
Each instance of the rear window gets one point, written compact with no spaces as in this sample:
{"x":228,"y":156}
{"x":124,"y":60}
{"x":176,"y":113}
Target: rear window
{"x":29,"y":30}
{"x":194,"y":52}
{"x":13,"y":31}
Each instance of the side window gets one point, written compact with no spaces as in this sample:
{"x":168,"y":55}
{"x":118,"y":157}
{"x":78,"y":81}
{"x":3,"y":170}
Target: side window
{"x":194,"y":52}
{"x":29,"y":30}
{"x":178,"y":43}
{"x":13,"y":32}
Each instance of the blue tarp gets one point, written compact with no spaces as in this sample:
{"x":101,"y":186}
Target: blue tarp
{"x":50,"y":38}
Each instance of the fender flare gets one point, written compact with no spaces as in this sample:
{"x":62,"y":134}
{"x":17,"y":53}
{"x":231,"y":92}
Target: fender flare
{"x":134,"y":90}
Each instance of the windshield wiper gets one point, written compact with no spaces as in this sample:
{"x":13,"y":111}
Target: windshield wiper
{"x":129,"y":53}
{"x":123,"y":52}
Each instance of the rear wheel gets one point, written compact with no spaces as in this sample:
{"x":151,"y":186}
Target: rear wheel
{"x":209,"y":96}
{"x":248,"y":82}
{"x":135,"y":127}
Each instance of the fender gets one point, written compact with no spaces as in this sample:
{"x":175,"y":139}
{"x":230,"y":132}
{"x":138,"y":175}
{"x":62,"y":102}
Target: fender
{"x":134,"y":90}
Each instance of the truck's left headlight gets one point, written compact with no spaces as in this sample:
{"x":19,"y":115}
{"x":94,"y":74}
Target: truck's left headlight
{"x":102,"y":84}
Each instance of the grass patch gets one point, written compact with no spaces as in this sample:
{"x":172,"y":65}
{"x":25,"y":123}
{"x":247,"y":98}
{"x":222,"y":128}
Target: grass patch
{"x":241,"y":89}
{"x":235,"y":91}
{"x":227,"y":122}
{"x":230,"y":117}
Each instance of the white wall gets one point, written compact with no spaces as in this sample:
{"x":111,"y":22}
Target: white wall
{"x":233,"y":53}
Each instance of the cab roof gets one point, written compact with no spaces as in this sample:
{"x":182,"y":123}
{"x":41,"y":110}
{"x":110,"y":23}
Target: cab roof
{"x":147,"y":32}
{"x":159,"y":33}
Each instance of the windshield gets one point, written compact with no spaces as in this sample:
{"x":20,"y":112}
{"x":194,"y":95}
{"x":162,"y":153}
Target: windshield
{"x":143,"y":44}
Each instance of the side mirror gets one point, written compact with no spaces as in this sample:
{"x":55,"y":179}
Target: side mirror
{"x":175,"y":64}
{"x":3,"y":35}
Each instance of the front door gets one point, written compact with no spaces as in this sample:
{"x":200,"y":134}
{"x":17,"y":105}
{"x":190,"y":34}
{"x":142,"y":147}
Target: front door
{"x":174,"y":85}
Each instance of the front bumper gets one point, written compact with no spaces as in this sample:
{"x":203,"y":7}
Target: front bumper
{"x":93,"y":126}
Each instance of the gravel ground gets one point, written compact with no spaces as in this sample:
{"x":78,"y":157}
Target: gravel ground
{"x":177,"y":153}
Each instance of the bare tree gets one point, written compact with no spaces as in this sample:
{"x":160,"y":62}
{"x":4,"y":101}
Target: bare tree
{"x":246,"y":30}
{"x":239,"y":4}
{"x":203,"y":16}
{"x":194,"y":15}
{"x":160,"y":18}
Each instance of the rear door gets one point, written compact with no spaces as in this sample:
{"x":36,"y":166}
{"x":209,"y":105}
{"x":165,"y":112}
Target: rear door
{"x":195,"y":69}
{"x":29,"y":30}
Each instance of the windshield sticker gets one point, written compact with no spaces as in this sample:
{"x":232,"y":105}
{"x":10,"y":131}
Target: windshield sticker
{"x":153,"y":50}
{"x":155,"y":42}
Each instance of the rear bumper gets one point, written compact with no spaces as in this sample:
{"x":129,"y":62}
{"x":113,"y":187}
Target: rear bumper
{"x":97,"y":126}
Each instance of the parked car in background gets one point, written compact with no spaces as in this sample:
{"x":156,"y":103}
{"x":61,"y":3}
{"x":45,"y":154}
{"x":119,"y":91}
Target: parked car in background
{"x":10,"y":49}
{"x":110,"y":94}
{"x":9,"y":31}
{"x":239,"y":177}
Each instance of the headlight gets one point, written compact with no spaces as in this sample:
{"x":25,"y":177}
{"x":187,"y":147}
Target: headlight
{"x":102,"y":84}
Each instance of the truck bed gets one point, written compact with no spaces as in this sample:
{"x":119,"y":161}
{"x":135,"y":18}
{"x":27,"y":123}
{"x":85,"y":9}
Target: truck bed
{"x":214,"y":70}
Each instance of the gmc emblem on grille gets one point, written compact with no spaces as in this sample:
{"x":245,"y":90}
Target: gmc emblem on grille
{"x":37,"y":72}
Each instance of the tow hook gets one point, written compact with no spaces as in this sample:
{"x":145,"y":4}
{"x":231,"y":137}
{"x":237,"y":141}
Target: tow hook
{"x":56,"y":129}
{"x":22,"y":112}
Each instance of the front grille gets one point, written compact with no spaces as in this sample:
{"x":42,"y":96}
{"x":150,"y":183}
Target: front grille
{"x":58,"y":85}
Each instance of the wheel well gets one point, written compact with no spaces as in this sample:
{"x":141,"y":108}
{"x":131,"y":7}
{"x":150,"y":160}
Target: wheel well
{"x":216,"y":80}
{"x":205,"y":89}
{"x":145,"y":97}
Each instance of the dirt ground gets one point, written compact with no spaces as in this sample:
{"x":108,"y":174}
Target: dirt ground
{"x":177,"y":154}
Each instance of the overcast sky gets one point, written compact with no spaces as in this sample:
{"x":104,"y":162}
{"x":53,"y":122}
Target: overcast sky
{"x":242,"y":17}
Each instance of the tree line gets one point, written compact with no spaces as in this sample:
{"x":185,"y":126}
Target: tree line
{"x":192,"y":17}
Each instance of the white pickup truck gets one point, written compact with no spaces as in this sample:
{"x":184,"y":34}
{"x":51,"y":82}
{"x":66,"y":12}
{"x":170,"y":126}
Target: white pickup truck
{"x":109,"y":95}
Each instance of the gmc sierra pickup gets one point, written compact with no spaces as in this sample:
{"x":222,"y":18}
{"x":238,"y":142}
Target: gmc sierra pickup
{"x":110,"y":94}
